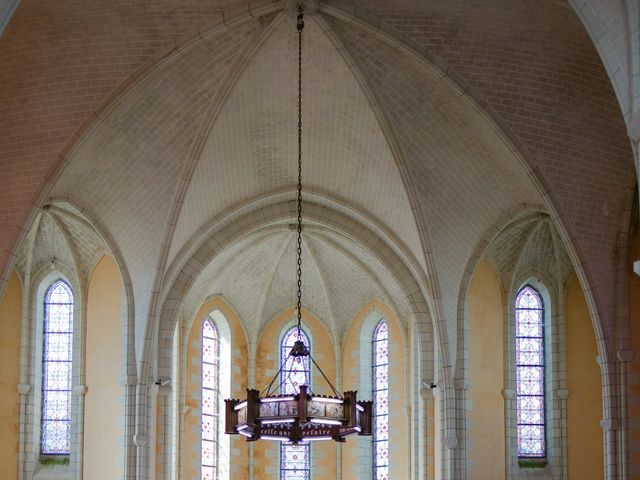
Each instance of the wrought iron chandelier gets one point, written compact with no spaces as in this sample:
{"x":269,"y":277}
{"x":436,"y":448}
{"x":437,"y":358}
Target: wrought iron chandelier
{"x":301,"y":416}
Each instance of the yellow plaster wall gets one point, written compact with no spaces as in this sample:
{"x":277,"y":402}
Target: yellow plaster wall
{"x":10,"y":320}
{"x":584,"y":405}
{"x":191,"y":421}
{"x":633,"y":390}
{"x":485,"y":437}
{"x":104,"y":415}
{"x":399,"y":411}
{"x":323,"y":454}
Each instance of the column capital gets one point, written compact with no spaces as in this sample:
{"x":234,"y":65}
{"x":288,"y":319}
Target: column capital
{"x":80,"y":389}
{"x":24,"y":388}
{"x":140,"y":440}
{"x":509,"y":393}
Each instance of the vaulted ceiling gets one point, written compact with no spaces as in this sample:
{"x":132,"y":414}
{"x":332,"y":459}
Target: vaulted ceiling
{"x":422,"y":122}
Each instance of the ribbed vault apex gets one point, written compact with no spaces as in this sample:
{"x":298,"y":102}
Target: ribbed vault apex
{"x":529,"y":246}
{"x":257,"y":276}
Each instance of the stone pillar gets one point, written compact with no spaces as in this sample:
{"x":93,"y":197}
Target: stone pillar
{"x":79,"y":392}
{"x":427,"y":454}
{"x":163,"y":431}
{"x":141,"y":438}
{"x":624,"y":358}
{"x":562,"y":395}
{"x":509,"y":395}
{"x":609,"y":427}
{"x":610,"y":422}
{"x":23,"y":390}
{"x":450,"y":439}
{"x":129,"y":388}
{"x":461,"y":422}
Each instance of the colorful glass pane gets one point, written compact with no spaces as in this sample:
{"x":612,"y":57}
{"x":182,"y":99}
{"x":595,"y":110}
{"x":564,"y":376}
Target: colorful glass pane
{"x":60,"y":294}
{"x":530,"y":351}
{"x":57,"y":346}
{"x":296,"y":370}
{"x":380,"y":343}
{"x":528,"y":298}
{"x":209,"y":412}
{"x":382,"y":473}
{"x":295,"y":460}
{"x":529,"y":327}
{"x":57,"y":355}
{"x":530,"y":410}
{"x":208,"y":473}
{"x":529,"y":381}
{"x":531,"y":442}
{"x":528,"y":324}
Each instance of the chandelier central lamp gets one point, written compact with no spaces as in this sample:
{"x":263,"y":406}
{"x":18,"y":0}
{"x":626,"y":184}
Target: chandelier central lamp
{"x":299,"y":416}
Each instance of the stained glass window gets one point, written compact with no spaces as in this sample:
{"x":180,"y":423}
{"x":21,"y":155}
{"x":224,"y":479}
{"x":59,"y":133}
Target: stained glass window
{"x":57,"y":354}
{"x":529,"y":326}
{"x":380,"y":364}
{"x":210,"y":401}
{"x":295,"y":460}
{"x":296,"y":370}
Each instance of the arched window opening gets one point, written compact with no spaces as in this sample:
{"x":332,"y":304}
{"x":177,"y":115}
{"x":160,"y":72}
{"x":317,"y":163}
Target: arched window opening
{"x":380,"y":362}
{"x":295,"y":460}
{"x":210,"y":401}
{"x":530,"y":391}
{"x":57,"y":355}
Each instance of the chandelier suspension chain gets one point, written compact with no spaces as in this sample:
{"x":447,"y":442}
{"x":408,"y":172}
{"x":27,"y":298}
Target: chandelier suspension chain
{"x":299,"y":260}
{"x":297,"y":414}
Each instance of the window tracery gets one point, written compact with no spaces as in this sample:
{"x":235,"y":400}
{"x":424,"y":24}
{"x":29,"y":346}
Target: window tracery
{"x":530,"y":374}
{"x":380,"y":363}
{"x":210,"y":401}
{"x":295,"y":460}
{"x":57,"y":355}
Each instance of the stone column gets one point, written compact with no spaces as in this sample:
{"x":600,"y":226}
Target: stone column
{"x":562,"y":395}
{"x":79,"y":392}
{"x":23,"y":390}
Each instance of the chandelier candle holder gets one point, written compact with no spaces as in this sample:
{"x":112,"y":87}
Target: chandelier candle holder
{"x":299,"y":416}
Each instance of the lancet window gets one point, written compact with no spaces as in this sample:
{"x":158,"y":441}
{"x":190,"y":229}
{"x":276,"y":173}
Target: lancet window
{"x":530,"y":373}
{"x":380,"y":363}
{"x":295,"y":460}
{"x":210,"y":400}
{"x":57,"y":355}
